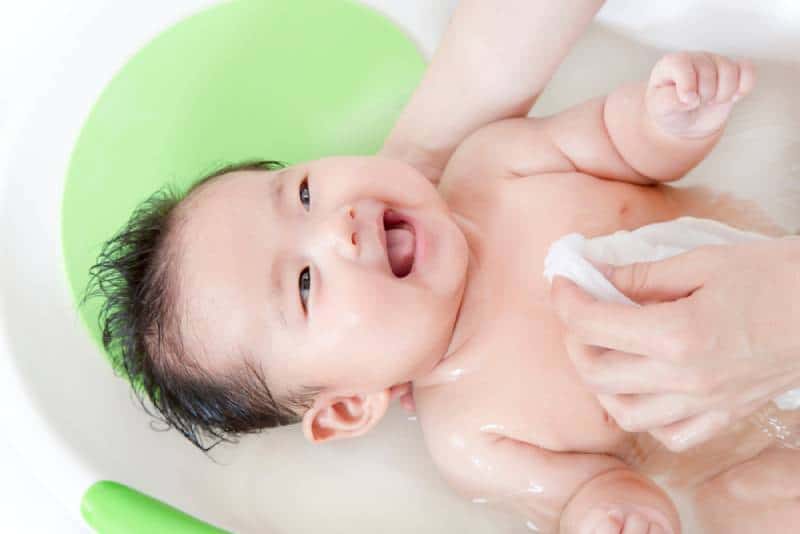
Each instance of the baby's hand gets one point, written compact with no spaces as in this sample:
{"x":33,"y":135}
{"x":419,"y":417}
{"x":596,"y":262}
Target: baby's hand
{"x":690,"y":94}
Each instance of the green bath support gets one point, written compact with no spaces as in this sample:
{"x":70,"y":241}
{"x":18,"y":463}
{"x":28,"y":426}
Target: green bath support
{"x":113,"y":508}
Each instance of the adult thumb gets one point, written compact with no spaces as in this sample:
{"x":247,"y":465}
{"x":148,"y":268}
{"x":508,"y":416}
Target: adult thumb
{"x":665,"y":280}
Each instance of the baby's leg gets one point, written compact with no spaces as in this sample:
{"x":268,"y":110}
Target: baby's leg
{"x":761,"y":495}
{"x":621,"y":501}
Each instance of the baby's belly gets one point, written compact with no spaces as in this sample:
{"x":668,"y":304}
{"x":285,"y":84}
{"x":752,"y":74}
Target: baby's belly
{"x":531,"y":391}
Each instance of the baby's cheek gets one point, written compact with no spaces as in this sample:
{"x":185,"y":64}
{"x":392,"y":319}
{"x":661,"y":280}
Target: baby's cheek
{"x":335,"y":330}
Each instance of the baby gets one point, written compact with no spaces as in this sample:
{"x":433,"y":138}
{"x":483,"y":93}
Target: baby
{"x":319,"y":292}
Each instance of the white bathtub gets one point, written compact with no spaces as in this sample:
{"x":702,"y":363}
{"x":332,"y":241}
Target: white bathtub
{"x":68,"y":422}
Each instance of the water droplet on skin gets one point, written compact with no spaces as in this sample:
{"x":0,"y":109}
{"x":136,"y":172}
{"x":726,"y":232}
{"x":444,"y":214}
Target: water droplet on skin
{"x":480,"y":500}
{"x":412,"y":417}
{"x":531,"y":526}
{"x":776,"y":429}
{"x":535,"y":488}
{"x":455,"y":374}
{"x":492,"y":428}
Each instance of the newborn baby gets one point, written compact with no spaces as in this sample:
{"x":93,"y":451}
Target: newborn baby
{"x":319,"y":292}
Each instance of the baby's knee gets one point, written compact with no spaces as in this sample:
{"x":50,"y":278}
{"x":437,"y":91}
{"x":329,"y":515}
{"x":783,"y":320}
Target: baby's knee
{"x":620,"y":498}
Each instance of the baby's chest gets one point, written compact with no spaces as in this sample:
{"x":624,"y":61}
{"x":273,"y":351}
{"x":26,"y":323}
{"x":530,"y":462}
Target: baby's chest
{"x":514,"y":377}
{"x":527,"y":214}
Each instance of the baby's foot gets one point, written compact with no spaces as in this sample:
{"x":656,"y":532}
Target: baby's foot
{"x":620,"y":501}
{"x":616,"y":521}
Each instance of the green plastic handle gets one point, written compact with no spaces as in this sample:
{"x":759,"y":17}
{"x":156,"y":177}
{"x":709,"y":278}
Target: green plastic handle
{"x":113,"y":508}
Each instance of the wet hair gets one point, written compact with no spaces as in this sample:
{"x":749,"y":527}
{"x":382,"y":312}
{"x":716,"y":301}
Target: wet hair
{"x":137,"y":275}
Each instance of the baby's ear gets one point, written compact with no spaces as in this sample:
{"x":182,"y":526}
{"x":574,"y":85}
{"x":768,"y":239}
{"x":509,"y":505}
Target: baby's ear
{"x":344,"y":417}
{"x":406,"y":396}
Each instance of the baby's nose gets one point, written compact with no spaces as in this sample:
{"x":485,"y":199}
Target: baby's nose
{"x":344,"y":232}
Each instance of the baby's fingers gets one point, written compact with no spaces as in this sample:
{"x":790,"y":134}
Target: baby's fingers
{"x":677,"y":69}
{"x":727,"y":79}
{"x":747,"y":79}
{"x":734,"y":80}
{"x":706,"y":76}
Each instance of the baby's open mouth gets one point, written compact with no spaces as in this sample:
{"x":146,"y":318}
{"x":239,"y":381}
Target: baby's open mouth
{"x":400,"y":243}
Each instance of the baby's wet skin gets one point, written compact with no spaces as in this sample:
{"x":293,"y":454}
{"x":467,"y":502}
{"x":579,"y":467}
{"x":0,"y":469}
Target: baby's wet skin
{"x":509,"y":376}
{"x":385,"y":282}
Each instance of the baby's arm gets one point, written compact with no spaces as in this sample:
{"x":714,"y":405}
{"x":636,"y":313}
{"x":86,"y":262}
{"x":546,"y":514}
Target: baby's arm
{"x":665,"y":127}
{"x":559,"y":492}
{"x":494,"y":59}
{"x":641,"y":133}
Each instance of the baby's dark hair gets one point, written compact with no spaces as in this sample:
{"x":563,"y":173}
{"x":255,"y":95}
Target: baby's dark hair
{"x":137,"y":274}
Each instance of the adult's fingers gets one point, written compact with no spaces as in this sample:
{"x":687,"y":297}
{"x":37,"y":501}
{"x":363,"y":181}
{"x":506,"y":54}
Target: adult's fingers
{"x":643,"y":330}
{"x":666,"y":280}
{"x":614,"y":372}
{"x":694,"y":430}
{"x":640,"y":413}
{"x":687,"y":433}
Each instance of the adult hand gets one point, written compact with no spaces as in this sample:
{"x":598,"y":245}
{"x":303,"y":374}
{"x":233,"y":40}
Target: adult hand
{"x":717,"y":336}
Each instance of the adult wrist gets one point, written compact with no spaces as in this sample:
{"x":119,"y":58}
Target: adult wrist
{"x":427,"y":161}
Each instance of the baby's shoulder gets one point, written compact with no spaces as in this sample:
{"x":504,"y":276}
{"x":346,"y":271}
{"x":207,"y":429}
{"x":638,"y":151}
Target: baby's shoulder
{"x":452,"y":416}
{"x":506,"y":149}
{"x":450,"y":438}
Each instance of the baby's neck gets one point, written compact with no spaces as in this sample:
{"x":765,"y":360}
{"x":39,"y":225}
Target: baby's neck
{"x":467,"y":321}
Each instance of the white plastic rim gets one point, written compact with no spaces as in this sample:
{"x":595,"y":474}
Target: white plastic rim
{"x":72,"y":422}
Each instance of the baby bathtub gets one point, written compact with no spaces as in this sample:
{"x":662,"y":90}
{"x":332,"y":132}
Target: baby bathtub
{"x":69,"y":422}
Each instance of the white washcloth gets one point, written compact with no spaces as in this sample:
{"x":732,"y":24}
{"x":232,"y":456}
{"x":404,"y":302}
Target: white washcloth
{"x":567,"y":257}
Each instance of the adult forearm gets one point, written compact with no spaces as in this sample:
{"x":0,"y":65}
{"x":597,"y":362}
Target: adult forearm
{"x":494,"y":59}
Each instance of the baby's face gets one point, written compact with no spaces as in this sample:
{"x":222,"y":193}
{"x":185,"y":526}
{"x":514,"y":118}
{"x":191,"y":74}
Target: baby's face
{"x":344,"y":273}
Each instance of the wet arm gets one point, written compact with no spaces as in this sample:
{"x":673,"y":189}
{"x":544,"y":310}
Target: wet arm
{"x":555,"y":491}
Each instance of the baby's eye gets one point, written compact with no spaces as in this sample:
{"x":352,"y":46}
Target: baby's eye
{"x":305,"y":194}
{"x":305,"y":286}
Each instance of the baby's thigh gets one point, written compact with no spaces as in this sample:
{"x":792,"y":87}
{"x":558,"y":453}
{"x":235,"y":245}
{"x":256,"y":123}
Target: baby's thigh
{"x":757,"y":496}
